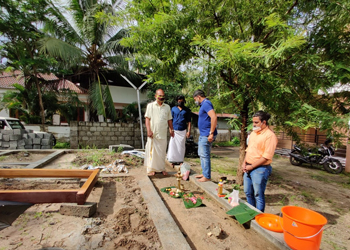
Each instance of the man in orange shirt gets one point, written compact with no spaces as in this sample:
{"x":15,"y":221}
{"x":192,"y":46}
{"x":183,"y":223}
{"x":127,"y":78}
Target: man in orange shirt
{"x":256,"y":165}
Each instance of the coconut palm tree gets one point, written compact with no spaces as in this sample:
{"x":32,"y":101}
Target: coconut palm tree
{"x":83,"y":43}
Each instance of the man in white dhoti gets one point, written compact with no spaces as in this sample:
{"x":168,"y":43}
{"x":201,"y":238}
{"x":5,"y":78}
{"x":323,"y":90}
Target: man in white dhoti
{"x":181,"y":121}
{"x":158,"y":119}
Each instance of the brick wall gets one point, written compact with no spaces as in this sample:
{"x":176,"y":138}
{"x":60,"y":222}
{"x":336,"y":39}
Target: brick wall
{"x":103,"y":134}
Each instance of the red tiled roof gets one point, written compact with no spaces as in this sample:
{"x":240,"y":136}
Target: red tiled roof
{"x":7,"y":79}
{"x":222,"y":115}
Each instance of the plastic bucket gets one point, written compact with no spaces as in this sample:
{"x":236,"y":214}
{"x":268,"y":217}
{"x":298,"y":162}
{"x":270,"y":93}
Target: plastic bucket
{"x":302,"y":228}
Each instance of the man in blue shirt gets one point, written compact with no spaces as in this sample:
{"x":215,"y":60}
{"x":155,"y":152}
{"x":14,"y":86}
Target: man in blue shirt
{"x":181,"y":121}
{"x":207,"y":121}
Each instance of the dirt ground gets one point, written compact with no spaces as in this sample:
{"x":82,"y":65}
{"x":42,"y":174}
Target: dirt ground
{"x":121,"y":222}
{"x":122,"y":219}
{"x":23,"y":156}
{"x":304,"y":186}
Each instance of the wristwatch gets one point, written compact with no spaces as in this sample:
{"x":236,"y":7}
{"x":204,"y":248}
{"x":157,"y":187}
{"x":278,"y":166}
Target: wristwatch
{"x":210,"y":133}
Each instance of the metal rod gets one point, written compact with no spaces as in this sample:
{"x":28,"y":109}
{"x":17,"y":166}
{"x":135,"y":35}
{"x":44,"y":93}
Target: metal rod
{"x":139,"y":106}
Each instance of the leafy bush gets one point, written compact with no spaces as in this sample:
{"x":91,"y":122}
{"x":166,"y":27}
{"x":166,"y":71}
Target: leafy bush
{"x":235,"y":141}
{"x":62,"y":145}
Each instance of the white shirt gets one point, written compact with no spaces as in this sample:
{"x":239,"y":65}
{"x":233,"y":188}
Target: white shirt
{"x":159,"y":117}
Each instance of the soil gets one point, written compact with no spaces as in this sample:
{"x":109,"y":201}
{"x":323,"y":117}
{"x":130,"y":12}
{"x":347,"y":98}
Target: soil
{"x":122,"y":220}
{"x":23,"y":156}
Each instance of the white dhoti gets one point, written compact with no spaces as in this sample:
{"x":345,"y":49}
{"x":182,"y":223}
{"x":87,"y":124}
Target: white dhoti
{"x":177,"y":148}
{"x":155,"y":154}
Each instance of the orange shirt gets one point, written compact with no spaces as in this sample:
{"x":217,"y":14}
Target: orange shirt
{"x":261,"y":144}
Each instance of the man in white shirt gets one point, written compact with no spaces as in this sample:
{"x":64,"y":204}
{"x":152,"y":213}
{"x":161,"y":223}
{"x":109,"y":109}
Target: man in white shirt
{"x":158,"y":119}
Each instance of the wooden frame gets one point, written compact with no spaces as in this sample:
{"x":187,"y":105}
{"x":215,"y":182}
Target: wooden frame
{"x":49,"y":196}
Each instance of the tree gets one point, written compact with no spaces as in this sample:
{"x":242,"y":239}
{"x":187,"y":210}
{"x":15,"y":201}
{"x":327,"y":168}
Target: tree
{"x":26,"y":102}
{"x":18,"y":26}
{"x":255,"y":53}
{"x":88,"y":45}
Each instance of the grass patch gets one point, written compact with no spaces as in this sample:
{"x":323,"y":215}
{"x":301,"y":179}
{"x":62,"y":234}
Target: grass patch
{"x":97,"y":157}
{"x":319,"y":178}
{"x":275,"y":179}
{"x":335,"y":246}
{"x":3,"y":157}
{"x":62,"y":145}
{"x":215,"y":156}
{"x":224,"y":144}
{"x":346,"y":184}
{"x":309,"y":198}
{"x":276,"y":156}
{"x":226,"y":171}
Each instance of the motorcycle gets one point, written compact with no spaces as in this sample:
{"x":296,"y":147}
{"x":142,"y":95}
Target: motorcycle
{"x":322,"y":156}
{"x":191,"y":150}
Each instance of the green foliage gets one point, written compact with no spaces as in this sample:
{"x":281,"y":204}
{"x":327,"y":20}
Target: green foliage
{"x":235,"y":141}
{"x":62,"y":145}
{"x":120,"y":149}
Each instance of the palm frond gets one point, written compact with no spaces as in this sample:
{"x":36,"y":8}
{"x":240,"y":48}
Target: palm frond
{"x":96,"y":96}
{"x":110,"y":109}
{"x":60,"y":49}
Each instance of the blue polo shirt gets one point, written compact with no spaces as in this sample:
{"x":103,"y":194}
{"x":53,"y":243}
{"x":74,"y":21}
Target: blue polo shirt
{"x":180,"y":118}
{"x":204,"y":121}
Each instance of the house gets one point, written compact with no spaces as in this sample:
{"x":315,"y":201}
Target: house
{"x":122,"y":93}
{"x":223,"y":119}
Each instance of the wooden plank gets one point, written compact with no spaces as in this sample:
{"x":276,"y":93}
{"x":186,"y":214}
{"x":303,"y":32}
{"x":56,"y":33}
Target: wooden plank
{"x":46,"y":173}
{"x":39,"y":196}
{"x":85,"y":190}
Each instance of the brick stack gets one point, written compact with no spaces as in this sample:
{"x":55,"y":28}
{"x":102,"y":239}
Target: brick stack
{"x":25,"y":139}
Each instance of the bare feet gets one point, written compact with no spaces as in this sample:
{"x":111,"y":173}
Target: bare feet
{"x":151,"y":173}
{"x":203,"y":179}
{"x":199,"y":176}
{"x":165,"y":173}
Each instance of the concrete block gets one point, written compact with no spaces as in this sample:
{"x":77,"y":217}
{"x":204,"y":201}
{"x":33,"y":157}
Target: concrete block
{"x":0,"y":143}
{"x":39,"y":135}
{"x":45,"y":142}
{"x":28,"y":146}
{"x":36,"y":146}
{"x":7,"y":132}
{"x":5,"y":144}
{"x":21,"y":143}
{"x":25,"y":136}
{"x":12,"y":148}
{"x":37,"y":141}
{"x":5,"y":137}
{"x":0,"y":136}
{"x":15,"y":137}
{"x":13,"y":144}
{"x":29,"y":131}
{"x":20,"y":147}
{"x":18,"y":131}
{"x":48,"y":136}
{"x":28,"y":141}
{"x":31,"y":135}
{"x":86,"y":210}
{"x":124,"y":146}
{"x":46,"y":147}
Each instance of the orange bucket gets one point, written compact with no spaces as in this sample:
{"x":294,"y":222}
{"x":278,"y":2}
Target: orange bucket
{"x":302,"y":228}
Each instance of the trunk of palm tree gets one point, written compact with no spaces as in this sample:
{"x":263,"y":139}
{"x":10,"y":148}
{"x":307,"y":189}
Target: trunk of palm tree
{"x":42,"y":111}
{"x":244,"y":116}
